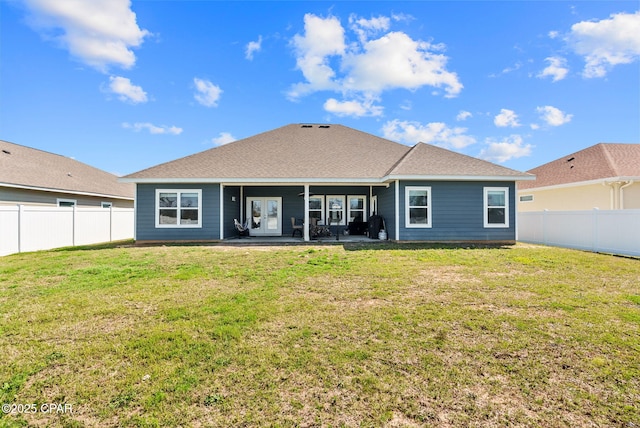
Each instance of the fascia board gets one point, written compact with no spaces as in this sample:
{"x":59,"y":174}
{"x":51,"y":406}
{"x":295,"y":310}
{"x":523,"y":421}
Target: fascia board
{"x":71,"y":192}
{"x":461,"y":177}
{"x":580,"y":183}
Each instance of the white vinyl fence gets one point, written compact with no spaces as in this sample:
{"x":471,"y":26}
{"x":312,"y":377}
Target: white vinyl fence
{"x":604,"y":231}
{"x":32,"y":228}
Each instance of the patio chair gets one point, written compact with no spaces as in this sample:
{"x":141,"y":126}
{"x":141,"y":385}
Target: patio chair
{"x":295,"y":227}
{"x":243,"y":229}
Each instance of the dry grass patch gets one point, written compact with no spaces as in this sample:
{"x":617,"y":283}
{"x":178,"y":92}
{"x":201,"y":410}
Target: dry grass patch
{"x":321,"y":336}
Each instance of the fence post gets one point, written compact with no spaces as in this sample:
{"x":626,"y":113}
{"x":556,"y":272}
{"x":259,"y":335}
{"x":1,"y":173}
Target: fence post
{"x":20,"y":212}
{"x":73,"y":226}
{"x":111,"y":223}
{"x":594,"y":234}
{"x":544,"y":226}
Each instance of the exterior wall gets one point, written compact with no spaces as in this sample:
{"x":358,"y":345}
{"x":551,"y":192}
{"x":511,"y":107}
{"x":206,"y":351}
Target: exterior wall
{"x":386,"y":207}
{"x":146,"y":229}
{"x":579,"y":198}
{"x":631,"y":196}
{"x":14,"y":196}
{"x":231,"y":210}
{"x":458,"y":213}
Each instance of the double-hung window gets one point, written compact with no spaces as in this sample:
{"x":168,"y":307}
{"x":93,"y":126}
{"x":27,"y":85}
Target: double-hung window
{"x":417,"y":206}
{"x":316,"y":208}
{"x":335,"y":210}
{"x":178,"y":208}
{"x":496,"y":207}
{"x":357,"y":208}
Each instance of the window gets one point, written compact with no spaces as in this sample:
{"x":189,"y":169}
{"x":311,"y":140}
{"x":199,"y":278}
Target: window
{"x":526,"y":198}
{"x":178,"y":208}
{"x":335,"y":209}
{"x":417,"y":206}
{"x":496,"y":207}
{"x":67,"y":202}
{"x":316,"y":208}
{"x":357,"y":208}
{"x":106,"y":204}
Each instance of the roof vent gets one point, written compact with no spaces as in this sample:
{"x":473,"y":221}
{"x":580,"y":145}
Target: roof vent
{"x":570,"y":159}
{"x":324,"y":126}
{"x":307,"y":126}
{"x":6,"y":151}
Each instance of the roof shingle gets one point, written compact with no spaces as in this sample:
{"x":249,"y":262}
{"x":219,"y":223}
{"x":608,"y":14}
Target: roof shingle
{"x":601,"y":161}
{"x":319,"y":152}
{"x":33,"y":168}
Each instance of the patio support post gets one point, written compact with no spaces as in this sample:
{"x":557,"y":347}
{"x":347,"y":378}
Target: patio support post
{"x":306,"y":213}
{"x":397,"y":212}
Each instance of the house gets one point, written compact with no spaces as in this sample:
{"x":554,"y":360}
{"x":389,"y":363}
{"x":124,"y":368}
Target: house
{"x":604,"y":176}
{"x":34,"y":177}
{"x":332,"y":174}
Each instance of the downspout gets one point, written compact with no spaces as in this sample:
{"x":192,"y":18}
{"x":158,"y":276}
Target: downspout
{"x":629,"y":183}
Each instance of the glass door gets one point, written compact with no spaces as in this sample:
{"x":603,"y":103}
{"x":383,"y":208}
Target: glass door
{"x":265,"y":216}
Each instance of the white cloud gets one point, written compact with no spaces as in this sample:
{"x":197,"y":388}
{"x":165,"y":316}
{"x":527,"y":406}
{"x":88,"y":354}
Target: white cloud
{"x":556,"y":69}
{"x":553,"y":116}
{"x":366,"y":28}
{"x":253,"y":47}
{"x":509,"y":148}
{"x":606,"y":43}
{"x":98,"y":33}
{"x":506,"y":118}
{"x":223,"y":138}
{"x":397,"y":61}
{"x":463,"y":115}
{"x":353,"y":108}
{"x":367,"y":67}
{"x":436,"y":133}
{"x":207,"y":93}
{"x":127,"y":91}
{"x":153,"y":129}
{"x":322,"y":38}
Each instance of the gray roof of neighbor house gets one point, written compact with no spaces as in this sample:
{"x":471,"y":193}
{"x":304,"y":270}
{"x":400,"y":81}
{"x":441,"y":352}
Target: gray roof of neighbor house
{"x":602,"y":161}
{"x":321,"y":153}
{"x":25,"y":167}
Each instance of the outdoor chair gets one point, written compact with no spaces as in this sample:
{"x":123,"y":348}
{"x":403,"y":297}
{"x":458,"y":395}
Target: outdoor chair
{"x":295,"y":227}
{"x":243,"y":230}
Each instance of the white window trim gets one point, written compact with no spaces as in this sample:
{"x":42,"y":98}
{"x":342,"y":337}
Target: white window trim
{"x":178,"y":225}
{"x":343,"y":210}
{"x":407,"y":217}
{"x":72,"y":201}
{"x":486,"y":207}
{"x":321,"y":210}
{"x":364,"y":206}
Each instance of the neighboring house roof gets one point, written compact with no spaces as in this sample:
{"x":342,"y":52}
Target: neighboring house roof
{"x":28,"y":168}
{"x":320,"y":153}
{"x":600,"y":162}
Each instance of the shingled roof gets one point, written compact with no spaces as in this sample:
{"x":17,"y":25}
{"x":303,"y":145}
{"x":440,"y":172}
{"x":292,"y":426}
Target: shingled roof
{"x":25,"y":167}
{"x":311,"y":152}
{"x":600,"y":162}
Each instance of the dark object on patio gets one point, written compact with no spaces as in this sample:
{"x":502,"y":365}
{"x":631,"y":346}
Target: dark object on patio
{"x":357,"y":228}
{"x":375,"y":224}
{"x":243,"y":230}
{"x":296,"y":227}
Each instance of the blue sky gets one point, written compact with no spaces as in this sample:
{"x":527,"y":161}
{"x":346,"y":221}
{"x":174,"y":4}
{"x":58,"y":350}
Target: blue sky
{"x":126,"y":85}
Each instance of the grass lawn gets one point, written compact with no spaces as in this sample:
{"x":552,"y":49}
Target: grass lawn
{"x":320,"y":336}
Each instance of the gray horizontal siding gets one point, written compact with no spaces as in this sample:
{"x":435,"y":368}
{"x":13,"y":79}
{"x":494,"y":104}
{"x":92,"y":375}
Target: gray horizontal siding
{"x":14,"y":196}
{"x":146,"y":229}
{"x":458,"y":213}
